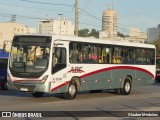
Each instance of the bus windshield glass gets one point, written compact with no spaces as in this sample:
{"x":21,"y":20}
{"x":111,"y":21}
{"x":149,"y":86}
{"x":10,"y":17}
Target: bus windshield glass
{"x":30,"y":54}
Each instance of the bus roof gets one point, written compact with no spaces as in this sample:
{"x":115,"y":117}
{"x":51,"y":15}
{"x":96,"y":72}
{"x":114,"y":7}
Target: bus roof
{"x":104,"y":41}
{"x":94,"y":40}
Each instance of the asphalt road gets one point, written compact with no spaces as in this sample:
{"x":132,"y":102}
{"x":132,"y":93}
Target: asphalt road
{"x":98,"y":105}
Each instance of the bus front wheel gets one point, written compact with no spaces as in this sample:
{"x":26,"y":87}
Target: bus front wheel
{"x":37,"y":94}
{"x":72,"y":91}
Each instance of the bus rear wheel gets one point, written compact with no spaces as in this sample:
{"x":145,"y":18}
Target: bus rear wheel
{"x":37,"y":94}
{"x":72,"y":91}
{"x":126,"y":88}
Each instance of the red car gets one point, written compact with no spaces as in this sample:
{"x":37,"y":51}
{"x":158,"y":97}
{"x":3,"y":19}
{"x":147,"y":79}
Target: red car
{"x":157,"y":78}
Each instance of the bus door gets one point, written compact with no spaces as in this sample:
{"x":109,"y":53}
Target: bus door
{"x":58,"y":69}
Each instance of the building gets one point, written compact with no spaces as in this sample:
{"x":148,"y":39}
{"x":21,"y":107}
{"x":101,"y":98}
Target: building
{"x":136,"y":36}
{"x":109,"y":24}
{"x":153,"y":34}
{"x":60,"y":26}
{"x":9,"y":29}
{"x":134,"y":32}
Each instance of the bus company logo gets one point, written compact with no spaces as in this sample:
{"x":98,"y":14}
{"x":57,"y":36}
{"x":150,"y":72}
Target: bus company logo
{"x":76,"y":70}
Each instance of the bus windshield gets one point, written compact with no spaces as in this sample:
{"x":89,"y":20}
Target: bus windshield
{"x":28,"y":56}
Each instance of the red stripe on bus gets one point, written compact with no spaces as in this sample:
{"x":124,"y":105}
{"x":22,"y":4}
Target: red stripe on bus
{"x":107,"y":69}
{"x":60,"y":86}
{"x":117,"y":67}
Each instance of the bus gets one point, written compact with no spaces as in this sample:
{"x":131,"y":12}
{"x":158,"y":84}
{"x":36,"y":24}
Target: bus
{"x":68,"y":65}
{"x":3,"y":69}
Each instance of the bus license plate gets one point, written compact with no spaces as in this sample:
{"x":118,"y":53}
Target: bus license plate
{"x":24,"y":89}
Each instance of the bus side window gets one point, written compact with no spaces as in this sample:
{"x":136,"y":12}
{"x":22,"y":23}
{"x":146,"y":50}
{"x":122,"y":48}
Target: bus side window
{"x":131,"y":56}
{"x":75,"y":56}
{"x":73,"y":53}
{"x":144,"y":56}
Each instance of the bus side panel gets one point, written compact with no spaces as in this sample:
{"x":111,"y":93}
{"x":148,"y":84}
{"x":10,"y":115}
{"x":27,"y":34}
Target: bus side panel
{"x":60,"y":89}
{"x":96,"y":81}
{"x":118,"y":77}
{"x":142,"y":78}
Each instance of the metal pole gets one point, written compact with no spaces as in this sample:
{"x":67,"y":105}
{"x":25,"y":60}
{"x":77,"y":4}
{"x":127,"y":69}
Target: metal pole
{"x":60,"y":24}
{"x":76,"y":18}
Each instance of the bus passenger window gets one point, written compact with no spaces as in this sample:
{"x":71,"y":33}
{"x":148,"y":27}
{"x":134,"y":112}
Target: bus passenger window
{"x":75,"y":56}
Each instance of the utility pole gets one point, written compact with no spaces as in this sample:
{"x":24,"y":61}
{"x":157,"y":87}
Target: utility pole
{"x":60,"y":24}
{"x":76,"y":18}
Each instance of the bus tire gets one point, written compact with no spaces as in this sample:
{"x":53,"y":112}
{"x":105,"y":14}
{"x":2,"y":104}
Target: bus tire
{"x":37,"y":94}
{"x":72,"y":91}
{"x":126,"y":87}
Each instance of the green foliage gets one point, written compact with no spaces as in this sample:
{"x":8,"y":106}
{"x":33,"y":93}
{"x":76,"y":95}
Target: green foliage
{"x":120,"y":35}
{"x":83,"y":33}
{"x":93,"y":33}
{"x":87,"y":33}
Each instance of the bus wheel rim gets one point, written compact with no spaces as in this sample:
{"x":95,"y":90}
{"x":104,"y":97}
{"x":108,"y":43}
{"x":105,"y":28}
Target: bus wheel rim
{"x":72,"y":90}
{"x":127,"y":87}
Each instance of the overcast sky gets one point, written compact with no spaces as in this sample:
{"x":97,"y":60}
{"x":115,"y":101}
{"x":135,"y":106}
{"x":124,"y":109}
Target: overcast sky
{"x":142,"y":14}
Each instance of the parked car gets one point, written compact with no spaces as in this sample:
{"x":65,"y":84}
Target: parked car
{"x":157,"y":78}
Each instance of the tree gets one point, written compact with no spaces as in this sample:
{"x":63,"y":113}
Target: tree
{"x":83,"y":33}
{"x":86,"y":33}
{"x":120,"y":35}
{"x":94,"y":33}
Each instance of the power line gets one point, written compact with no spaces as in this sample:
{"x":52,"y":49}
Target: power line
{"x":85,"y":6}
{"x":46,"y":3}
{"x":20,"y":16}
{"x":83,"y":10}
{"x":28,"y":17}
{"x":90,"y":14}
{"x":62,"y":5}
{"x":13,"y":5}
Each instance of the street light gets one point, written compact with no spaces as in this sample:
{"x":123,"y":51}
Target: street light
{"x":60,"y":24}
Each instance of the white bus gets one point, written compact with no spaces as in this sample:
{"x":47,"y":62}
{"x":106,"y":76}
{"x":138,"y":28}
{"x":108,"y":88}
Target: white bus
{"x":61,"y":64}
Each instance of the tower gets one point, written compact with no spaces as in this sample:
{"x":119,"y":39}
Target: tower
{"x":109,"y":22}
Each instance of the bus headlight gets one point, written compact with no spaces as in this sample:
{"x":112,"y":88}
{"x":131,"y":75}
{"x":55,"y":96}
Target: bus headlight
{"x":44,"y":79}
